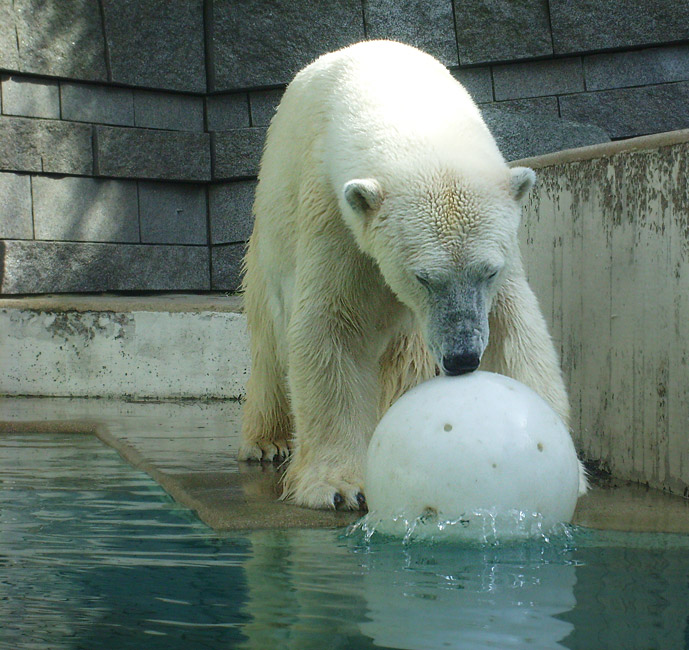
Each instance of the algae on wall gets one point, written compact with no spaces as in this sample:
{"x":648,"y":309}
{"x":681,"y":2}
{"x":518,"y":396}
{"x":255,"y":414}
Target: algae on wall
{"x":606,"y":247}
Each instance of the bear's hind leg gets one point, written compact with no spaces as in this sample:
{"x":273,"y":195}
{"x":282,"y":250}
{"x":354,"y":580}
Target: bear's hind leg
{"x":266,"y":422}
{"x":266,"y":419}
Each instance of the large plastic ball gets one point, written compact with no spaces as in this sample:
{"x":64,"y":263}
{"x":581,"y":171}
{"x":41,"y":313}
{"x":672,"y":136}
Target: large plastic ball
{"x":478,"y":456}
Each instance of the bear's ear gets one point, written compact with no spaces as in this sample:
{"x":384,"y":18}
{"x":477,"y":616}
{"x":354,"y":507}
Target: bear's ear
{"x":364,"y":195}
{"x":523,"y":180}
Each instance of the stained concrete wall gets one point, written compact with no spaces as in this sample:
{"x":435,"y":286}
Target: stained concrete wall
{"x":606,"y":242}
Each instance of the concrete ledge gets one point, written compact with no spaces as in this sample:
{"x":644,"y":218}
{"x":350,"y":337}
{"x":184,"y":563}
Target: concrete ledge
{"x":605,"y":149}
{"x":144,"y":348}
{"x":169,"y":302}
{"x":190,"y":449}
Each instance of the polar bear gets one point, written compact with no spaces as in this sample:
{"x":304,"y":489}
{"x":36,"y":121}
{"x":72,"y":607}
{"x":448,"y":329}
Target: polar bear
{"x":384,"y":248}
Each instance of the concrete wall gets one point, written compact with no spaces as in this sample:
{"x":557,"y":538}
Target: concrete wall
{"x":131,"y":131}
{"x":159,"y":347}
{"x":606,"y":242}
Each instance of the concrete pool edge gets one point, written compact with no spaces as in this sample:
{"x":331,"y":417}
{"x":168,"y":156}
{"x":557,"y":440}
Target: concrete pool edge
{"x":226,"y":496}
{"x":231,"y":497}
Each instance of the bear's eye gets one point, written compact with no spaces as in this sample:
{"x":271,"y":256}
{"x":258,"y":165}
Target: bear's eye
{"x":491,"y":274}
{"x":423,"y":279}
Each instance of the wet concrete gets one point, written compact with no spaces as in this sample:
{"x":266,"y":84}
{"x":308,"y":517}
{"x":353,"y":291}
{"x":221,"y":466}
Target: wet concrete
{"x":189,"y":448}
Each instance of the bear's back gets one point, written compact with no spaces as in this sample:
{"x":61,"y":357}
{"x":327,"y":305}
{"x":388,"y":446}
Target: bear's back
{"x":381,"y":105}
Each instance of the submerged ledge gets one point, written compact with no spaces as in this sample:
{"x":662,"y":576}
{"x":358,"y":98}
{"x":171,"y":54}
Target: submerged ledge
{"x":190,"y":448}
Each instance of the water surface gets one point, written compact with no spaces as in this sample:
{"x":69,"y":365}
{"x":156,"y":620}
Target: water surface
{"x":93,"y":554}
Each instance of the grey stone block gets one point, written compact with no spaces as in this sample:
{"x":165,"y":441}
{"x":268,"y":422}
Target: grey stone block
{"x":588,"y":25}
{"x":237,"y":153}
{"x":173,"y":214}
{"x":529,"y":106}
{"x":640,"y":68}
{"x":30,"y":97}
{"x":15,"y":206}
{"x":263,"y":104}
{"x":426,"y":24}
{"x":9,"y":55}
{"x":97,"y":104}
{"x":60,"y":39}
{"x":156,"y":43}
{"x":538,"y":78}
{"x":85,"y":209}
{"x":167,"y":111}
{"x":231,"y":211}
{"x":521,"y":136}
{"x":58,"y":267}
{"x":265,"y":43}
{"x":224,"y":112}
{"x":477,"y":81}
{"x":496,"y":30}
{"x":151,"y":154}
{"x":226,"y":267}
{"x":628,"y":112}
{"x":49,"y":146}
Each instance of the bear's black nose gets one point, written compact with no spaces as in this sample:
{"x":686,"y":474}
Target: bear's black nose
{"x":460,"y":364}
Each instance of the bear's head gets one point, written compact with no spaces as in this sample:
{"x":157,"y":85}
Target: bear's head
{"x":444,"y":243}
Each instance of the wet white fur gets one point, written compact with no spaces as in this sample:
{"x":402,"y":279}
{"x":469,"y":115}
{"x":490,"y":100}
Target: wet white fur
{"x":336,"y":318}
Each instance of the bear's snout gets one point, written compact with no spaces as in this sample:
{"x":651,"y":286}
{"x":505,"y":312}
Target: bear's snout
{"x":460,"y":364}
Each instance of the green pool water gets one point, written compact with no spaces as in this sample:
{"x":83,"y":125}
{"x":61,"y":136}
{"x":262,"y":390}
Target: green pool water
{"x":93,"y":554}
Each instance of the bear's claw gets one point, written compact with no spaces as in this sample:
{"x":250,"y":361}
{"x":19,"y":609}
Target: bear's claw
{"x":324,"y":495}
{"x":276,"y":451}
{"x":339,"y":502}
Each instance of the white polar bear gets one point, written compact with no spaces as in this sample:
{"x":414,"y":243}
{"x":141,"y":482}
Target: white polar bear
{"x":384,"y":246}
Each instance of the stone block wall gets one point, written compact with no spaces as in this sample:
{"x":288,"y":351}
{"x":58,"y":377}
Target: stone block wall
{"x":131,"y":131}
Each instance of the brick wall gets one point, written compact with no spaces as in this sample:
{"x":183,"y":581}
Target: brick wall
{"x":131,"y":131}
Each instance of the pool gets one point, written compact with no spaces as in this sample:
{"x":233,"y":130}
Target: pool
{"x":94,"y":554}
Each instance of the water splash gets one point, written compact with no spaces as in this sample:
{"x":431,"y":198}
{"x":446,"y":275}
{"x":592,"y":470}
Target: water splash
{"x":482,"y":526}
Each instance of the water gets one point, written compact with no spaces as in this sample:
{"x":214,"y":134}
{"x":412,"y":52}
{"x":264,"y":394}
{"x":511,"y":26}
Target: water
{"x":93,"y":554}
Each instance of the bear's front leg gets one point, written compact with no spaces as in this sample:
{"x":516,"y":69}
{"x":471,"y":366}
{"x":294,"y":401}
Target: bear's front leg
{"x":334,"y":391}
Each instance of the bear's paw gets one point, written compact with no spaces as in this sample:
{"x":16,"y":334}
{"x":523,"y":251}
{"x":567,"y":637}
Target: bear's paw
{"x":264,"y":451}
{"x":310,"y":490}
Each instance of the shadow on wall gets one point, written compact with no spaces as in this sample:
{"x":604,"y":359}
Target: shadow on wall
{"x":62,"y":39}
{"x":88,"y":238}
{"x":80,"y":233}
{"x":58,"y":38}
{"x":71,"y":215}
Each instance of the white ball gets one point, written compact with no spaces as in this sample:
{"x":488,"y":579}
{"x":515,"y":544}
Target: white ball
{"x":479,"y":456}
